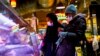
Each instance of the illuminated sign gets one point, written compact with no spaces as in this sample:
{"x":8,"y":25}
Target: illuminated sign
{"x":61,"y":16}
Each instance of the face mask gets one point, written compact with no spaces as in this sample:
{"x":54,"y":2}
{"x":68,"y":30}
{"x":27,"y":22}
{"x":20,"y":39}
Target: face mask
{"x":69,"y":18}
{"x":49,"y":23}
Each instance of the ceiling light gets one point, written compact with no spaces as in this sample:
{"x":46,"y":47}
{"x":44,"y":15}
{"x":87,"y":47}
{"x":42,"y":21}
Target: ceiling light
{"x":60,"y":7}
{"x":76,"y":1}
{"x":13,"y":3}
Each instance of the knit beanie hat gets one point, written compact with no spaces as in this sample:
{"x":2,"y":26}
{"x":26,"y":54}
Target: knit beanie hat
{"x":71,"y":9}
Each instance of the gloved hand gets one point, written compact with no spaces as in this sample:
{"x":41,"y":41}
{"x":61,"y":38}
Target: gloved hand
{"x":61,"y":36}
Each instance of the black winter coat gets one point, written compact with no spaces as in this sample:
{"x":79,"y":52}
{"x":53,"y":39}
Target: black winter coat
{"x":50,"y":39}
{"x":76,"y":32}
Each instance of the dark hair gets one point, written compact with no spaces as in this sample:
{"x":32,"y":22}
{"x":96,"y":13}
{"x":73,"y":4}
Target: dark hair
{"x":52,"y":16}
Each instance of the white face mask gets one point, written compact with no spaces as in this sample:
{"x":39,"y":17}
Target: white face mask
{"x":49,"y":23}
{"x":69,"y":18}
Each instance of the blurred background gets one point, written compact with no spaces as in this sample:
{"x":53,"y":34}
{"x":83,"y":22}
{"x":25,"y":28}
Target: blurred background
{"x":31,"y":14}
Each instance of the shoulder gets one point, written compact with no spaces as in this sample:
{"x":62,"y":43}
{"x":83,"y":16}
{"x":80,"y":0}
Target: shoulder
{"x":80,"y":18}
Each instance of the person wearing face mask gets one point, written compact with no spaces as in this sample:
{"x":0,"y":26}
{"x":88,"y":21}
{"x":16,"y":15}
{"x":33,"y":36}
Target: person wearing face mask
{"x":51,"y":35}
{"x":73,"y":34}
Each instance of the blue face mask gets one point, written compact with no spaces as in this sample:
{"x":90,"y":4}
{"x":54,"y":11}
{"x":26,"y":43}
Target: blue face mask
{"x":49,"y":23}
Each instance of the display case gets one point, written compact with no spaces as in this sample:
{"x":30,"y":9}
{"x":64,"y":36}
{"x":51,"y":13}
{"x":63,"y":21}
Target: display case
{"x":14,"y":39}
{"x":8,"y":11}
